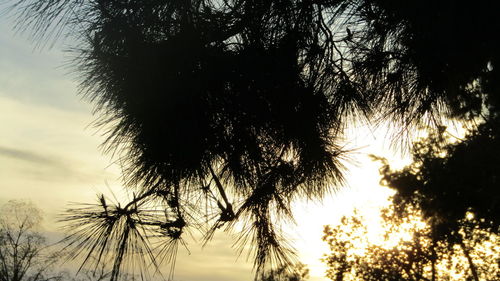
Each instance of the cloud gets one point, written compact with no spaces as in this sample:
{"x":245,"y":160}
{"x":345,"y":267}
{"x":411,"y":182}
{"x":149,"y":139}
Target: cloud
{"x":48,"y":167}
{"x":29,"y":156}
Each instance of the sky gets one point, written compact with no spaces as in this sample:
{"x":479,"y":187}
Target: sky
{"x":50,"y":154}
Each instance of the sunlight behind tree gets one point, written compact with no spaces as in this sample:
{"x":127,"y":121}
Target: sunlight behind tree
{"x":227,"y":111}
{"x":406,"y":249}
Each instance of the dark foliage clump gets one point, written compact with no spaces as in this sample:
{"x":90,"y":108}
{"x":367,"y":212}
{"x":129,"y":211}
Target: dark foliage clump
{"x":447,"y":181}
{"x":222,"y":111}
{"x":432,"y":58}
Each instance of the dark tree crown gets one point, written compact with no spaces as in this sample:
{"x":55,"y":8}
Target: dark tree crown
{"x":239,"y":105}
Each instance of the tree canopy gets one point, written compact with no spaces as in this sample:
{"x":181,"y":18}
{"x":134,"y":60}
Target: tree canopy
{"x":448,"y":180}
{"x":226,"y":111}
{"x":406,"y":249}
{"x":446,"y":204}
{"x":24,"y":253}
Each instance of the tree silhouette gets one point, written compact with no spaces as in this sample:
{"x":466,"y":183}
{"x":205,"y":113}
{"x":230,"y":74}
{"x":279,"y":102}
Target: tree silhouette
{"x":407,"y":249}
{"x":420,"y":53}
{"x":450,"y":187}
{"x":23,"y":251}
{"x":449,"y":181}
{"x":226,"y":111}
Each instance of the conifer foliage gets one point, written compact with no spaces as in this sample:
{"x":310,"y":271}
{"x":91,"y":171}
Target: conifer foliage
{"x":227,"y":110}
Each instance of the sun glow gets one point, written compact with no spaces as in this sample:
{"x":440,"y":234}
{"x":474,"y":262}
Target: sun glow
{"x":362,"y":191}
{"x":361,"y":239}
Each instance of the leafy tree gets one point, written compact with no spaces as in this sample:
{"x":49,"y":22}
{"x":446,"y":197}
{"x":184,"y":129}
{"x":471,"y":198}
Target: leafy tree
{"x":23,"y":250}
{"x":452,"y":188}
{"x":406,"y":249}
{"x":449,"y":181}
{"x":229,"y":110}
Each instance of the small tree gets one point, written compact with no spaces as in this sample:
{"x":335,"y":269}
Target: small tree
{"x":448,"y":201}
{"x":449,"y":182}
{"x":23,"y":251}
{"x":407,"y":249}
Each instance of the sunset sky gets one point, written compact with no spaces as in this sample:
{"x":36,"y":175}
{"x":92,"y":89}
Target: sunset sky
{"x":50,"y":155}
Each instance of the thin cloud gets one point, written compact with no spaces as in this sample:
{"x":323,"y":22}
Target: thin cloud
{"x":38,"y":165}
{"x":49,"y":167}
{"x":28,"y":156}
